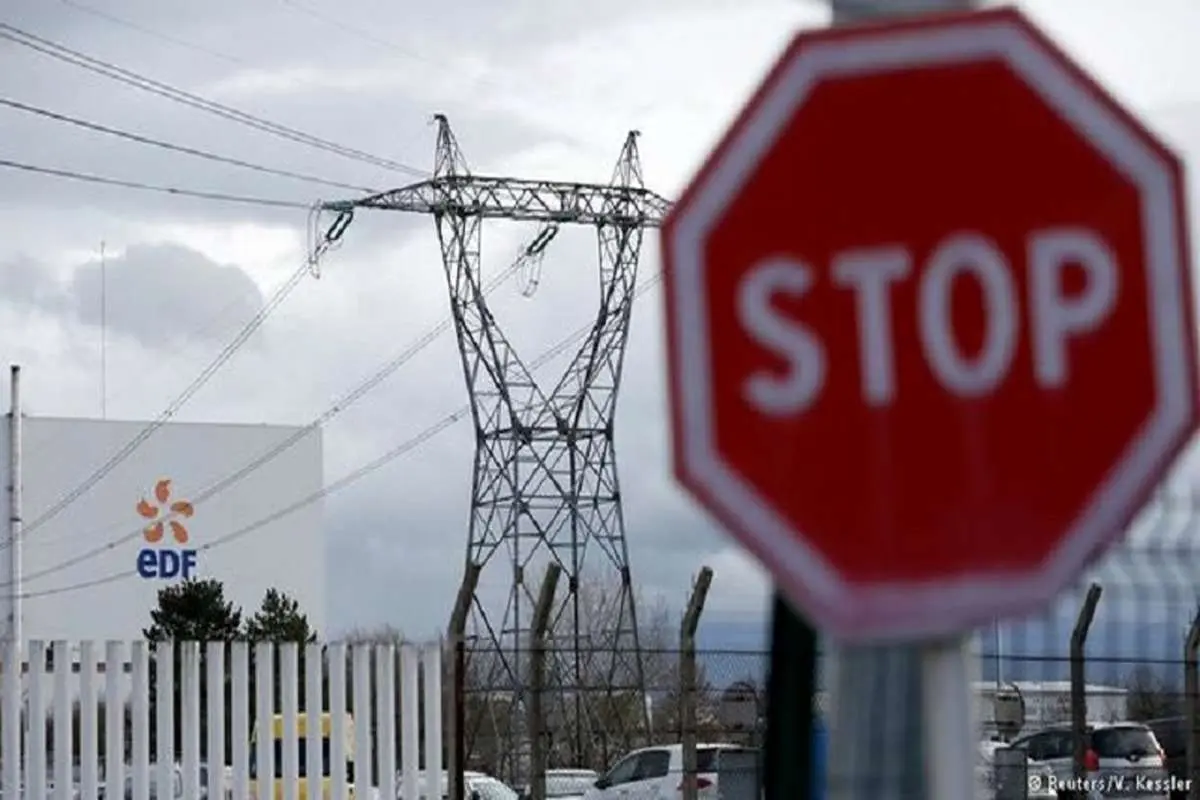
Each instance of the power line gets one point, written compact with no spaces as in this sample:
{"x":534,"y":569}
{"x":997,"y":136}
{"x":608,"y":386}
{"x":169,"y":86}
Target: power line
{"x":484,"y":81}
{"x":145,"y":30}
{"x":130,"y":78}
{"x":205,"y":375}
{"x":104,"y":180}
{"x":337,"y":407}
{"x":164,"y":357}
{"x":125,"y":23}
{"x":345,"y":481}
{"x":177,"y":148}
{"x":365,"y":35}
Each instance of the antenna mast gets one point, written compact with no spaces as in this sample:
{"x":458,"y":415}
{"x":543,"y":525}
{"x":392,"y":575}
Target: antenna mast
{"x":103,"y":333}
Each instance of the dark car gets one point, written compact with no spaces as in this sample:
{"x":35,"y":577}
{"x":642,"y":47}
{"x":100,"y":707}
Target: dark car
{"x":1172,"y":734}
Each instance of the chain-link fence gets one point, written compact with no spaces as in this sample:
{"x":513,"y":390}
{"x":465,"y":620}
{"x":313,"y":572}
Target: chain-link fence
{"x":589,"y":727}
{"x":1078,"y":687}
{"x":1047,"y":689}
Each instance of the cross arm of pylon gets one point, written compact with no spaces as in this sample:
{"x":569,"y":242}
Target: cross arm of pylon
{"x":521,"y":199}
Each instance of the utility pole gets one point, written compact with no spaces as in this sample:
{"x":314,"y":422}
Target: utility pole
{"x":16,"y":630}
{"x":103,"y":333}
{"x":15,"y":556}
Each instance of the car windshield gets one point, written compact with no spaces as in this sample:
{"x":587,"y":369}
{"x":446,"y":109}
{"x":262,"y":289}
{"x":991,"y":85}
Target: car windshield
{"x":1124,"y":742}
{"x":707,"y":758}
{"x":569,"y":785}
{"x":1171,"y":735}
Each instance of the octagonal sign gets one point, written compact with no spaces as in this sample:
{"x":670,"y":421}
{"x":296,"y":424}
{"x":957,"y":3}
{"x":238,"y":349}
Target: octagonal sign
{"x":930,"y":326}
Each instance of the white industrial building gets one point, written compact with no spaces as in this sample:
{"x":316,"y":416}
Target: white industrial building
{"x":1049,"y":702}
{"x":89,"y":571}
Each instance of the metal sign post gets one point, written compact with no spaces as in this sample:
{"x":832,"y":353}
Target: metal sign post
{"x":789,"y":770}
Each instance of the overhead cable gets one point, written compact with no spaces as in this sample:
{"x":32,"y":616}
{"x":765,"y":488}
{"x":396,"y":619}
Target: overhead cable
{"x":113,"y":19}
{"x":138,"y":138}
{"x":192,"y":388}
{"x":369,"y":467}
{"x":178,"y":191}
{"x":128,"y":77}
{"x":341,"y":404}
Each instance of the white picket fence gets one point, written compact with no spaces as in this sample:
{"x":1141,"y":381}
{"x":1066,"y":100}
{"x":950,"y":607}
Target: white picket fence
{"x":54,"y":750}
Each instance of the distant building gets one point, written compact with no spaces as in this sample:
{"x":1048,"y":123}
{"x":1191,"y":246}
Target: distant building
{"x":1049,"y":702}
{"x":1045,"y":703}
{"x":93,"y":570}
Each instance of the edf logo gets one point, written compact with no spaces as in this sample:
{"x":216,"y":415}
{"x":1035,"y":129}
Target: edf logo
{"x":161,"y":561}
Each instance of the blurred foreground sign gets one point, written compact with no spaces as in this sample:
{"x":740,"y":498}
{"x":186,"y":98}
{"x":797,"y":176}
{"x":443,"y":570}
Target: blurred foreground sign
{"x":929,"y":323}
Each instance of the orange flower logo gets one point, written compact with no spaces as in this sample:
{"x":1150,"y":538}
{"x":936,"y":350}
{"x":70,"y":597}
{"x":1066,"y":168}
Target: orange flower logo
{"x":147,"y":510}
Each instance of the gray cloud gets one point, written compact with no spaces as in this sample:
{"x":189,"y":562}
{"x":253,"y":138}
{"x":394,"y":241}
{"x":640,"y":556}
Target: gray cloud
{"x":396,"y":539}
{"x":162,"y":294}
{"x":26,"y":283}
{"x":349,"y":91}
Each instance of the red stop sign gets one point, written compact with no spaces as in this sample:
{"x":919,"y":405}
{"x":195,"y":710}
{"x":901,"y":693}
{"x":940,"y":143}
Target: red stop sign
{"x":930,"y":325}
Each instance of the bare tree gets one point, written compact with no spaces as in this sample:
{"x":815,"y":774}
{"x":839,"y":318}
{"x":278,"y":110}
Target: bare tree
{"x":367,"y":708}
{"x":1150,"y":697}
{"x":382,"y":634}
{"x":590,"y":719}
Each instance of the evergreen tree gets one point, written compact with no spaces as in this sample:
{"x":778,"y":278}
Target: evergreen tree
{"x":279,"y":619}
{"x":194,"y":610}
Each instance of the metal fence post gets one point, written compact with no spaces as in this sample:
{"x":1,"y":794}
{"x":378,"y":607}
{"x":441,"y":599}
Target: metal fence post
{"x":456,"y":718}
{"x":1191,"y":691}
{"x":537,"y":683}
{"x":687,"y":680}
{"x":1078,"y":690}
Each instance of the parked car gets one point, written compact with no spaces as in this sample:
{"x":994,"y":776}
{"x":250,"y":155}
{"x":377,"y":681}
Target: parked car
{"x":567,"y":784}
{"x":1118,"y":755}
{"x":477,"y":786}
{"x":1036,"y":777}
{"x":485,"y":787}
{"x":1172,"y":734}
{"x":658,"y":771}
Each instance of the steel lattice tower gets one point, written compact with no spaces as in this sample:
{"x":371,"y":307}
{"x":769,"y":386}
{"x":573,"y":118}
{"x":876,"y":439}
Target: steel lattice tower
{"x":545,"y":480}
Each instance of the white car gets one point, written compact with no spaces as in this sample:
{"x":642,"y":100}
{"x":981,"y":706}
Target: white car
{"x":478,"y":786}
{"x":656,"y":773}
{"x":1124,"y":759}
{"x":569,"y":784}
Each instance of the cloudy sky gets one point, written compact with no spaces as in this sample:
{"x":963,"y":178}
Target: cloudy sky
{"x":532,"y":88}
